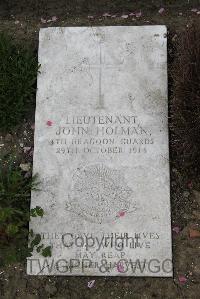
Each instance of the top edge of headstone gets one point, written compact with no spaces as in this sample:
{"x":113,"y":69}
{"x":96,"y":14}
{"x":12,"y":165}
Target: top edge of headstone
{"x":164,"y":27}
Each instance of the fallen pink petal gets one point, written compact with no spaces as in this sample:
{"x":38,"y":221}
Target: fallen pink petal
{"x":132,"y":14}
{"x":90,"y":17}
{"x":91,"y":284}
{"x":161,"y":10}
{"x":54,"y":18}
{"x":182,"y":279}
{"x":17,"y":22}
{"x":33,"y":126}
{"x":121,"y":214}
{"x":120,"y":268}
{"x":138,"y":14}
{"x":49,"y":123}
{"x":113,"y":16}
{"x":194,"y":10}
{"x":176,"y":229}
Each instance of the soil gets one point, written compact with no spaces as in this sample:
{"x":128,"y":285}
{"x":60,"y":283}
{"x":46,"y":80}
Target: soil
{"x":22,"y":19}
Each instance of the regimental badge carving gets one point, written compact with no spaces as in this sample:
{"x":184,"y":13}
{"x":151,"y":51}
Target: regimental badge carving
{"x":98,"y":193}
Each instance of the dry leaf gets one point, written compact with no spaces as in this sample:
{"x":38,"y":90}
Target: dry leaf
{"x":43,"y":21}
{"x":193,"y":233}
{"x":25,"y":167}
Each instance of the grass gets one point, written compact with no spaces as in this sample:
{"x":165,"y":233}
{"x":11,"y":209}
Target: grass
{"x":15,"y":191}
{"x":18,"y":73}
{"x":185,"y":105}
{"x":16,"y":242}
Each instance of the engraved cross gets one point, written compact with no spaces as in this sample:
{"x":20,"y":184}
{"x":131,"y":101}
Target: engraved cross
{"x":101,"y":66}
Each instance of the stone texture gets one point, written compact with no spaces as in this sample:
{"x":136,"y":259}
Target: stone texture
{"x":101,"y":152}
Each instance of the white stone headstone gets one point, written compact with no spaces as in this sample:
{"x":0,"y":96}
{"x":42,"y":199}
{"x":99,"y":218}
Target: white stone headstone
{"x":101,"y":152}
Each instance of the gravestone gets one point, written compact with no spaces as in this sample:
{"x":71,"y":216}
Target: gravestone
{"x":101,"y":152}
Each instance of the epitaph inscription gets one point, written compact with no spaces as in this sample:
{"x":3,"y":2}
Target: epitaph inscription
{"x":101,"y":152}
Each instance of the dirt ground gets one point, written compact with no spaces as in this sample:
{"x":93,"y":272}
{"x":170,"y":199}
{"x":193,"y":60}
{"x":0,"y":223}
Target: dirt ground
{"x":23,"y":19}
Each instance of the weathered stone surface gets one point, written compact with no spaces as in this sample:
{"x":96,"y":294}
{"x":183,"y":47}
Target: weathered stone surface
{"x":101,"y":152}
